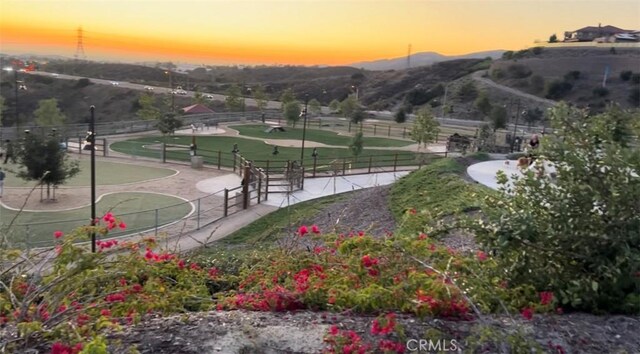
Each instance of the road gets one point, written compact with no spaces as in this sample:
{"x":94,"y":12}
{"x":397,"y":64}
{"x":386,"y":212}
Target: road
{"x":140,"y":87}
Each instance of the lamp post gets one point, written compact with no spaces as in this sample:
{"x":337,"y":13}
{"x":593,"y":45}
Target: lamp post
{"x":92,"y":135}
{"x":515,"y":125}
{"x":168,"y":72}
{"x":304,"y":128}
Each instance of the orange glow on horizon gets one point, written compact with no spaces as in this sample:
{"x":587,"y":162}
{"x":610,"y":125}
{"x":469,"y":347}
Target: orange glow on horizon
{"x":306,"y":32}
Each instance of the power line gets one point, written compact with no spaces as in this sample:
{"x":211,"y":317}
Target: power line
{"x":79,"y":46}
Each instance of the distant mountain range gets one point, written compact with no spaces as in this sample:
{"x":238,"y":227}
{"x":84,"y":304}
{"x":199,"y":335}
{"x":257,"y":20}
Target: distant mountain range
{"x":422,"y":59}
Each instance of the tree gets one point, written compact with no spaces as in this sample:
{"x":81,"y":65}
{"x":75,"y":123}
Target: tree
{"x":356,"y":144}
{"x":148,"y":110}
{"x":315,"y":107}
{"x":198,"y":98}
{"x":292,"y":112}
{"x":234,"y":102}
{"x":574,"y":233}
{"x":626,"y":75}
{"x":287,"y":96}
{"x":400,"y":116}
{"x":498,"y":118}
{"x":48,"y":113}
{"x":44,"y":161}
{"x":168,"y":123}
{"x":425,"y":127}
{"x":358,"y":115}
{"x":468,"y":91}
{"x":483,"y":104}
{"x":553,"y":38}
{"x":486,"y":138}
{"x":533,"y":115}
{"x":334,"y":105}
{"x":348,"y":105}
{"x":260,"y":97}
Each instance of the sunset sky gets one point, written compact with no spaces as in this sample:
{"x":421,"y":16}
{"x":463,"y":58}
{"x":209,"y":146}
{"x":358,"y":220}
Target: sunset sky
{"x":292,"y":32}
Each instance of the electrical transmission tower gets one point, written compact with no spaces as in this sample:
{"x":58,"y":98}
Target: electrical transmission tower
{"x":409,"y":57}
{"x":79,"y":47}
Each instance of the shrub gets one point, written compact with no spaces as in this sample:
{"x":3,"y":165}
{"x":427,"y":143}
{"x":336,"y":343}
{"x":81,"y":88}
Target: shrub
{"x":537,"y":50}
{"x":400,"y":116}
{"x":468,"y":91}
{"x":601,"y":91}
{"x":497,"y":73}
{"x":558,"y":89}
{"x":537,"y":83}
{"x":518,"y":71}
{"x":635,"y":78}
{"x":84,"y":82}
{"x":626,"y":75}
{"x":578,"y":235}
{"x":507,"y":55}
{"x":572,"y":75}
{"x":634,"y":96}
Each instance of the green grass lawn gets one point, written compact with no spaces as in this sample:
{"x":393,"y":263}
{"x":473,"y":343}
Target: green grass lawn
{"x":437,"y":187}
{"x":320,"y":136}
{"x":255,"y":150}
{"x":107,"y":173}
{"x":134,"y":208}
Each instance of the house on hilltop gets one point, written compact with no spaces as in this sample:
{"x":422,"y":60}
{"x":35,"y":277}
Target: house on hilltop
{"x":592,"y":33}
{"x":196,"y":108}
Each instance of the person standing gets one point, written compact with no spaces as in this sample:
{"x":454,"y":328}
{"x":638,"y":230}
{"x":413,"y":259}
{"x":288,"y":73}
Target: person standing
{"x":534,"y":143}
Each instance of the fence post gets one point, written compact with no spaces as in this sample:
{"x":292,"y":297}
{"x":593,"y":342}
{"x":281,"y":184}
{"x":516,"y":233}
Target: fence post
{"x":370,"y":158}
{"x":156,"y":233}
{"x":319,"y":123}
{"x":344,"y":166}
{"x":259,"y":186}
{"x":375,"y":128}
{"x":395,"y":162}
{"x":302,"y":178}
{"x":219,"y":158}
{"x":163,"y":151}
{"x":245,"y":187}
{"x":226,"y":202}
{"x":80,"y":145}
{"x":389,"y":132}
{"x":349,"y":127}
{"x":404,"y":131}
{"x":105,"y":147}
{"x":266,"y":186}
{"x":198,"y":216}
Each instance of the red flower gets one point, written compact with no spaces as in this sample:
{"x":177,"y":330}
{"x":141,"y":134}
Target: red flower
{"x":546,"y":297}
{"x":181,"y":264}
{"x":373,"y":272}
{"x":122,"y":225}
{"x":481,"y":256}
{"x":105,"y":312}
{"x":136,"y":288}
{"x":527,"y":313}
{"x":315,"y":229}
{"x":422,"y":236}
{"x":303,"y":230}
{"x":213,"y":272}
{"x":333,"y":330}
{"x":59,"y":348}
{"x":58,"y":234}
{"x":367,"y":261}
{"x":107,"y":217}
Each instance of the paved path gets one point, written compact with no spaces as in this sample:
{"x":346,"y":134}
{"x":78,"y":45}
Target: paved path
{"x":485,"y":172}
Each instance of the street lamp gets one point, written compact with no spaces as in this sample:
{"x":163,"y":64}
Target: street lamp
{"x":168,"y":72}
{"x":304,"y":127}
{"x":92,"y":136}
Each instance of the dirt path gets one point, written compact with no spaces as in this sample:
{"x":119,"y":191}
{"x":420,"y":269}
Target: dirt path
{"x":478,"y":77}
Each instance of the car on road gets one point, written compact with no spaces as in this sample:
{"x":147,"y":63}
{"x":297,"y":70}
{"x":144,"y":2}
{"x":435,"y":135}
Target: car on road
{"x":148,"y":88}
{"x":209,"y":97}
{"x":115,"y":83}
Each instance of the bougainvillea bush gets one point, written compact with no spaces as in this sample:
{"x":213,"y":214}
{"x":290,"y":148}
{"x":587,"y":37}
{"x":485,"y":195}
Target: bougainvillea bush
{"x":70,"y":298}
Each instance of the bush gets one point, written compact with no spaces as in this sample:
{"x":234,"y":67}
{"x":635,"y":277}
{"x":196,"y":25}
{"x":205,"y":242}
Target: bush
{"x":420,"y":96}
{"x":400,"y":116}
{"x":572,"y":75}
{"x":84,"y":82}
{"x":635,"y":78}
{"x":558,"y":89}
{"x":537,"y":83}
{"x":626,"y":75}
{"x":634,"y":96}
{"x":537,"y":50}
{"x":601,"y":91}
{"x":507,"y":55}
{"x":518,"y":71}
{"x":575,"y":235}
{"x":468,"y":91}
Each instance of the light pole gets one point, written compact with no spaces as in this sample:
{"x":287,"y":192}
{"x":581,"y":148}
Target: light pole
{"x":304,"y":128}
{"x":92,"y":135}
{"x":15,"y":87}
{"x":168,"y":72}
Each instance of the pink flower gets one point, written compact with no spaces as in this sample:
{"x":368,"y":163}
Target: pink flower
{"x":58,"y":234}
{"x":303,"y":230}
{"x":105,"y":312}
{"x":527,"y":313}
{"x":107,"y":217}
{"x":481,"y":256}
{"x":315,"y":229}
{"x":546,"y":297}
{"x":333,"y":330}
{"x":122,"y":225}
{"x":181,"y":264}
